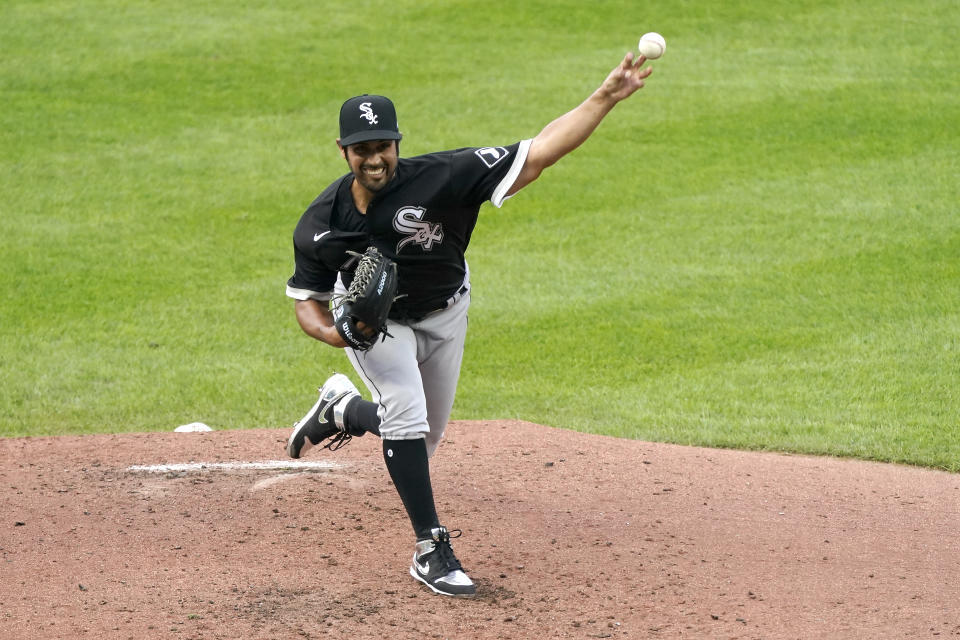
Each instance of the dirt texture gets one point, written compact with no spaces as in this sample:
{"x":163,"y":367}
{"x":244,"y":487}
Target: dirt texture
{"x":567,"y":536}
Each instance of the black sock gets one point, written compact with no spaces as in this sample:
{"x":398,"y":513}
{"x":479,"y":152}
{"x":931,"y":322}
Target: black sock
{"x":360,"y":417}
{"x":410,"y":470}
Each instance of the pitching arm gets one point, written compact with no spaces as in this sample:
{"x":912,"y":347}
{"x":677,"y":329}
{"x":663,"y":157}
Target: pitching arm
{"x":570,"y":130}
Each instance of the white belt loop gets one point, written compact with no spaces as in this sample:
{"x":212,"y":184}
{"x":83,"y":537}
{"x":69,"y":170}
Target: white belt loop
{"x":455,"y":298}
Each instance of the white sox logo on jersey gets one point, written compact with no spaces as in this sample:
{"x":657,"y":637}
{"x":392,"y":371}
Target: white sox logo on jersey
{"x":409,"y":221}
{"x":368,"y":113}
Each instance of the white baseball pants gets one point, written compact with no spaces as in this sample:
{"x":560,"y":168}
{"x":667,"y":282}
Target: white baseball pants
{"x":413,"y":375}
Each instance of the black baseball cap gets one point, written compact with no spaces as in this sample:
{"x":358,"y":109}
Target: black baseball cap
{"x":368,"y":117}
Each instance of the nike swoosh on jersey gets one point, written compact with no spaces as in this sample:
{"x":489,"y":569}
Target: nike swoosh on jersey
{"x":317,"y":236}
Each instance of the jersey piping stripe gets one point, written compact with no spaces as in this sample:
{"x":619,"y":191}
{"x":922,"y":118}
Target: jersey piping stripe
{"x":368,"y":381}
{"x":500,"y":193}
{"x":307,"y":294}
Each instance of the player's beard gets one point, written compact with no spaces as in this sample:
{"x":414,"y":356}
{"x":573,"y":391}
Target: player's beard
{"x":375,"y":182}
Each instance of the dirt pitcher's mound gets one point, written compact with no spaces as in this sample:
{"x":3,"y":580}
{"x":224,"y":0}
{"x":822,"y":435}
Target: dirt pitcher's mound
{"x":218,"y":535}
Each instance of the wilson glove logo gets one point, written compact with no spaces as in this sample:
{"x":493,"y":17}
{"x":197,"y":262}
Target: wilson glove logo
{"x":382,"y":284}
{"x":409,"y":221}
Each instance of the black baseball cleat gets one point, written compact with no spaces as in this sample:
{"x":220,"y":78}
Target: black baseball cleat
{"x":325,"y":418}
{"x":435,"y":566}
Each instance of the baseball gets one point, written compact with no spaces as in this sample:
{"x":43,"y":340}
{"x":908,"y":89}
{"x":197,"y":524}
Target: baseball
{"x":652,"y":45}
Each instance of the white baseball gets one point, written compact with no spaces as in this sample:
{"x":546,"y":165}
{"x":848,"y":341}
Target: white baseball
{"x":652,"y":45}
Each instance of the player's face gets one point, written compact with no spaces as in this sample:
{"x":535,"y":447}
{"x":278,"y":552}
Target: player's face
{"x":373,"y":162}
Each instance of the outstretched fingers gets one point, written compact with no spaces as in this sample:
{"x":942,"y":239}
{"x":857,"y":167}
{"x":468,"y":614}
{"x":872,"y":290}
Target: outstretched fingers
{"x":638,"y":62}
{"x":627,"y":77}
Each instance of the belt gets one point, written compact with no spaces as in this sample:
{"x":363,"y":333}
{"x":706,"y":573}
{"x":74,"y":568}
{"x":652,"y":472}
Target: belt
{"x":401,"y":314}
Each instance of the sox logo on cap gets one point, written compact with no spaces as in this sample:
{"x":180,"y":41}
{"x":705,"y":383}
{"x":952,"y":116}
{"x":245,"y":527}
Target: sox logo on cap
{"x":368,"y":113}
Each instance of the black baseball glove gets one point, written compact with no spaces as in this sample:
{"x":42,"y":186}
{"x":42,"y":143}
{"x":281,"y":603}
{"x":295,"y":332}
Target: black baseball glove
{"x":361,"y":315}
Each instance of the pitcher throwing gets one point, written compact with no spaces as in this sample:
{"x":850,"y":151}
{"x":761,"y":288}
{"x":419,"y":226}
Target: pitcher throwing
{"x":418,"y":213}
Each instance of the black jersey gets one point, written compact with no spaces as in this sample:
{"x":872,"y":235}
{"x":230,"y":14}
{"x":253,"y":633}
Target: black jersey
{"x":329,"y":228}
{"x":422,"y":219}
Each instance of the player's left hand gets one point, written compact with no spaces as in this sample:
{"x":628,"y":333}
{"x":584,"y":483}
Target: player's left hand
{"x":360,"y":316}
{"x":626,"y":78}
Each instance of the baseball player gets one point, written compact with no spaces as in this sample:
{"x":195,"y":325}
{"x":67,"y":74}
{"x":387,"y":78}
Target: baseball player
{"x":418,"y":212}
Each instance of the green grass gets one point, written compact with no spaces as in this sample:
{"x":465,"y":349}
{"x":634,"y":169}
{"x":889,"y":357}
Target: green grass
{"x":759,"y":251}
